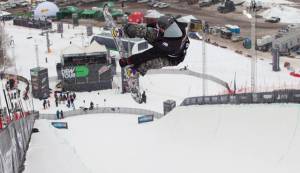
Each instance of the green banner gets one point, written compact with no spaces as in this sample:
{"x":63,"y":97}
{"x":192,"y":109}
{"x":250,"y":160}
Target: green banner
{"x":81,"y":71}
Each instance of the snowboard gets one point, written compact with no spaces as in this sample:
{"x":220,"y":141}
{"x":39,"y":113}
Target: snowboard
{"x":117,"y":34}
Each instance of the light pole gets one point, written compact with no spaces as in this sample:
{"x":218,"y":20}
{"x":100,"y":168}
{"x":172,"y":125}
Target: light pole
{"x":252,"y":16}
{"x":204,"y":85}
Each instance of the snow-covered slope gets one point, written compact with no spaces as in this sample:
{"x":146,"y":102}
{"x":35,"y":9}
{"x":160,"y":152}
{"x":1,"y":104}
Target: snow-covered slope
{"x":209,"y":139}
{"x":50,"y":153}
{"x":285,"y":13}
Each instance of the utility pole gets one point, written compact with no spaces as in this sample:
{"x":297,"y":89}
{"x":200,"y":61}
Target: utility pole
{"x":48,"y":41}
{"x":204,"y":85}
{"x":253,"y":46}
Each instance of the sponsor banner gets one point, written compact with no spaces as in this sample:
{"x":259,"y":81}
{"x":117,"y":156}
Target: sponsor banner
{"x":60,"y":125}
{"x":82,"y":71}
{"x":75,"y":72}
{"x":145,"y":118}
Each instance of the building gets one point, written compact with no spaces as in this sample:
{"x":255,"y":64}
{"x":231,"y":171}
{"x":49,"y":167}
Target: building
{"x":85,"y":68}
{"x":287,"y":39}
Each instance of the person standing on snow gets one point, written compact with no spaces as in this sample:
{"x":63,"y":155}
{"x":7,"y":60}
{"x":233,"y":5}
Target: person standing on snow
{"x":169,"y":41}
{"x":57,"y":114}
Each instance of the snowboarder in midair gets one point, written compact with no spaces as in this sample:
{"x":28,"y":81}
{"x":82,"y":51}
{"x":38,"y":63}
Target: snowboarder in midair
{"x":168,"y":38}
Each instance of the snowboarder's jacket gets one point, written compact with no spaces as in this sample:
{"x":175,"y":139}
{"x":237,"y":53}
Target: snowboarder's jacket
{"x":173,"y":41}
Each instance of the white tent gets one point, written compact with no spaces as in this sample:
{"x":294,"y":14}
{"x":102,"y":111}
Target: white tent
{"x":45,"y":9}
{"x":186,"y":19}
{"x":95,"y":49}
{"x":72,"y":50}
{"x":4,"y":13}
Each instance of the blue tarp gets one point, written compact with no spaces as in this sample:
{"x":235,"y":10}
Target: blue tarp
{"x":60,"y":125}
{"x":145,"y":118}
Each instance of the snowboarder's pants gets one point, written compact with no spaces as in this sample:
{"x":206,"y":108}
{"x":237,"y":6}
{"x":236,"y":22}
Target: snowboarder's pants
{"x":153,"y":59}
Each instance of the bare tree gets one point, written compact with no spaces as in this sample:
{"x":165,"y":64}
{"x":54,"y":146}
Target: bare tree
{"x":4,"y":43}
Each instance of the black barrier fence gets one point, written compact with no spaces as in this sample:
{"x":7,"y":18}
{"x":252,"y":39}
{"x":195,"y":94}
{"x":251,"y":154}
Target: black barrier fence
{"x":277,"y":96}
{"x":32,"y":23}
{"x":14,"y":141}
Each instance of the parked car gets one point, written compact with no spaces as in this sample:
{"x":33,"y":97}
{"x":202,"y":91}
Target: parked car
{"x":206,"y":3}
{"x":156,"y":4}
{"x":13,"y":5}
{"x":7,"y":5}
{"x":23,"y":4}
{"x":163,"y":5}
{"x":2,"y":5}
{"x":273,"y":19}
{"x":226,"y":7}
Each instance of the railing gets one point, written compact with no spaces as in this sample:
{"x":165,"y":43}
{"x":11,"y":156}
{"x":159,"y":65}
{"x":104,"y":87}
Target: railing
{"x":277,"y":96}
{"x":101,"y":110}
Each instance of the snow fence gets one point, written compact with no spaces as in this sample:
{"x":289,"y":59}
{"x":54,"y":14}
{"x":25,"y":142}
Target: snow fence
{"x":101,"y":110}
{"x":14,"y":140}
{"x":277,"y":96}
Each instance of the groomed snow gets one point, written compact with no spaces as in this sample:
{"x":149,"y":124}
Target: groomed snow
{"x":50,"y":153}
{"x":211,"y":139}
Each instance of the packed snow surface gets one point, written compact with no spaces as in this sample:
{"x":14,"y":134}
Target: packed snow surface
{"x":211,"y":139}
{"x":285,"y":13}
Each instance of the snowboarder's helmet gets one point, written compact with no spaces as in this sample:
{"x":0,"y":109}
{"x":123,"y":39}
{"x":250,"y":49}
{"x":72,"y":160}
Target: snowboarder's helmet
{"x":165,"y":21}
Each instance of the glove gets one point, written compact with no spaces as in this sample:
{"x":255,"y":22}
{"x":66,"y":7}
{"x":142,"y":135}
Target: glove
{"x":135,"y":30}
{"x":129,"y":30}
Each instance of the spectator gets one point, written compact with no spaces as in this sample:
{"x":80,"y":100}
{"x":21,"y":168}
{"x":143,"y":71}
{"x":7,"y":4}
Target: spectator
{"x":61,"y":114}
{"x":64,"y":98}
{"x":15,"y":95}
{"x":60,"y":99}
{"x":57,"y":114}
{"x":56,"y":102}
{"x":19,"y":93}
{"x":68,"y":103}
{"x":91,"y":106}
{"x":144,"y":97}
{"x":44,"y":104}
